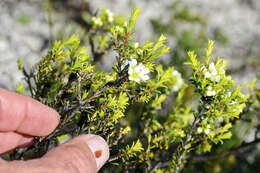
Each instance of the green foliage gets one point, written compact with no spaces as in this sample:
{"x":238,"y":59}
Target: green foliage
{"x":20,"y":88}
{"x":135,"y":14}
{"x":127,"y":104}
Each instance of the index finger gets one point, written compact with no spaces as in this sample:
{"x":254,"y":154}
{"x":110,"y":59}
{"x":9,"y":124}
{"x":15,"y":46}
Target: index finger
{"x":25,"y":115}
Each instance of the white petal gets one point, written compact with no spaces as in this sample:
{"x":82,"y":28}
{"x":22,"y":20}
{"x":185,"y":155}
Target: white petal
{"x":133,"y":62}
{"x":217,"y":79}
{"x":207,"y":131}
{"x":209,"y":88}
{"x":146,"y":70}
{"x":138,"y":69}
{"x":110,"y":19}
{"x":207,"y":74}
{"x":176,"y":73}
{"x":229,"y":93}
{"x":136,"y":45}
{"x":199,"y":130}
{"x":233,"y":102}
{"x":130,"y":78}
{"x":137,"y":80}
{"x":130,"y":71}
{"x":175,"y":88}
{"x":211,"y":93}
{"x":140,"y":65}
{"x":212,"y":66}
{"x":145,"y":77}
{"x":214,"y":72}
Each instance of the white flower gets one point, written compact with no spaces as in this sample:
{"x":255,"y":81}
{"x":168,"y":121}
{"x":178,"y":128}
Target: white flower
{"x":229,"y":93}
{"x":207,"y":74}
{"x":132,"y":63}
{"x":213,"y":69}
{"x":97,"y":21}
{"x":210,"y":92}
{"x":136,"y":45}
{"x":207,"y":131}
{"x":233,"y":102}
{"x":217,"y":78}
{"x":179,"y":81}
{"x":110,"y":16}
{"x":137,"y":71}
{"x":199,"y":130}
{"x":212,"y":73}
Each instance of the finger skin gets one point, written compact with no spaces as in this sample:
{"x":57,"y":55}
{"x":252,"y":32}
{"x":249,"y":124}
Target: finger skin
{"x":12,"y":140}
{"x":25,"y":115}
{"x":76,"y":155}
{"x":72,"y":157}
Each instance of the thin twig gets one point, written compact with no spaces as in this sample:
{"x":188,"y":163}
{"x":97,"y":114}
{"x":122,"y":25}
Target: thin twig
{"x":28,"y":80}
{"x":79,"y":88}
{"x":182,"y":155}
{"x":188,"y":139}
{"x":225,"y":153}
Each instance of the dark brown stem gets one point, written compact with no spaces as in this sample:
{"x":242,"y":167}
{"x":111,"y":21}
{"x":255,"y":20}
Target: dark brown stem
{"x":28,"y":80}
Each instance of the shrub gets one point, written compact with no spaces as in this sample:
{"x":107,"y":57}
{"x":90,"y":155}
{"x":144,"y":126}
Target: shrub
{"x":127,"y":104}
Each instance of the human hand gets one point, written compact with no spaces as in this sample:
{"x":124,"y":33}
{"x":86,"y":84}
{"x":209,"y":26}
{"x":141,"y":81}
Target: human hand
{"x":21,"y":118}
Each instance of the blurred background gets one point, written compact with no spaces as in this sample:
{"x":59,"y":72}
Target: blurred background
{"x":27,"y":28}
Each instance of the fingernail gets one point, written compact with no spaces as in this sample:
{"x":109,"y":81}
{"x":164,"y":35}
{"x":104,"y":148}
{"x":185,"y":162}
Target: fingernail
{"x":99,"y":148}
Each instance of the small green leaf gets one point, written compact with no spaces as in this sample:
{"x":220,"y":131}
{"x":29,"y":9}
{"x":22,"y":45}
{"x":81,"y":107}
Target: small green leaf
{"x":20,"y":88}
{"x":133,"y":18}
{"x":209,"y":51}
{"x":20,"y":63}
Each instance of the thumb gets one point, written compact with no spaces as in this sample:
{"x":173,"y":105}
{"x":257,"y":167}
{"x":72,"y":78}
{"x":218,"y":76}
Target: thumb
{"x":83,"y":154}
